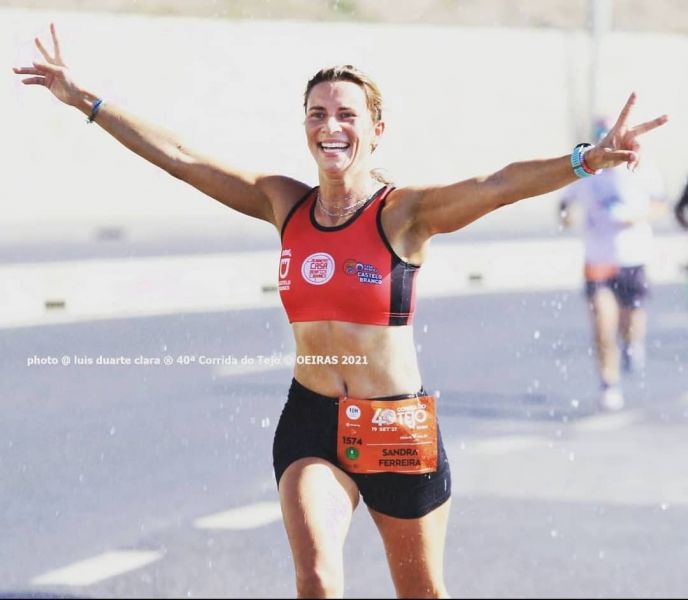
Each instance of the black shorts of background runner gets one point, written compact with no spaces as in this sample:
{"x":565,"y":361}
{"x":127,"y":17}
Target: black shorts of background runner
{"x":629,"y":285}
{"x":308,"y":428}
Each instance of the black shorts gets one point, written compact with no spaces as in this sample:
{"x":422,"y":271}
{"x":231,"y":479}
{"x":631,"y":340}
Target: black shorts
{"x":308,"y":428}
{"x":629,"y":285}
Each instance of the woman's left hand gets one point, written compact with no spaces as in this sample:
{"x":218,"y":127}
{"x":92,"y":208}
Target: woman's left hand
{"x":621,"y":145}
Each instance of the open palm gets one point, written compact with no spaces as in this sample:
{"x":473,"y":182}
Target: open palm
{"x":53,"y":73}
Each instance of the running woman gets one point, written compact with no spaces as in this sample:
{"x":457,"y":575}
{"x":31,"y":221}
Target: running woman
{"x":351,"y":249}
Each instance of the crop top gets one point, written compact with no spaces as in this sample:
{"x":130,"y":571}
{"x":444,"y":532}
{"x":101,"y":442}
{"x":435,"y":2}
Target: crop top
{"x":344,"y":273}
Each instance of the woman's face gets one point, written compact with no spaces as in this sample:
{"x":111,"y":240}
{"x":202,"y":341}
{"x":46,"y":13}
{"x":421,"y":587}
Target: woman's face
{"x":339,"y":126}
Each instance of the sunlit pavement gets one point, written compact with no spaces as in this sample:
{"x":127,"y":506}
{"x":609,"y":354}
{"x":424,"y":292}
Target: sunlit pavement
{"x":130,"y":480}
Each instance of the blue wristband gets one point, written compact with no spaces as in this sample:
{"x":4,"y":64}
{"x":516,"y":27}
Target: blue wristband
{"x":94,"y":110}
{"x":577,"y":160}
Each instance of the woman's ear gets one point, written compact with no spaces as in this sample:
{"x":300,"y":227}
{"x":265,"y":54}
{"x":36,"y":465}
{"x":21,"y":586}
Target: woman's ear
{"x":378,"y":130}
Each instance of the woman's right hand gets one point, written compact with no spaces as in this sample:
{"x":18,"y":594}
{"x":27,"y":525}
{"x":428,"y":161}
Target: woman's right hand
{"x":53,"y":73}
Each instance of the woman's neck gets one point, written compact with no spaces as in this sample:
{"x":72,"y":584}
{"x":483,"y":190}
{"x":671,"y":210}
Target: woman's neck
{"x":340,"y":194}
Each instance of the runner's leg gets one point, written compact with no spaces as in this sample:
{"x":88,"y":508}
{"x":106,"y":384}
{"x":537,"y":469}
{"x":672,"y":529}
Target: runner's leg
{"x":604,"y":314}
{"x":633,"y":289}
{"x":415,"y":552}
{"x":318,"y":501}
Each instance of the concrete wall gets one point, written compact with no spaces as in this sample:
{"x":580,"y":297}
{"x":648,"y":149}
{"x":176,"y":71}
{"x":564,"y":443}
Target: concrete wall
{"x":460,"y":102}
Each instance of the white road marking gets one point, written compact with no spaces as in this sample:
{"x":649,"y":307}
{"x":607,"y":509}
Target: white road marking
{"x":244,"y":517}
{"x":608,"y":421}
{"x":98,"y":568}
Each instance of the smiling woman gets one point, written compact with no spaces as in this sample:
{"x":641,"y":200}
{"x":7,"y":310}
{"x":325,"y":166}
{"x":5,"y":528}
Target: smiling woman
{"x":351,"y":249}
{"x":343,"y":111}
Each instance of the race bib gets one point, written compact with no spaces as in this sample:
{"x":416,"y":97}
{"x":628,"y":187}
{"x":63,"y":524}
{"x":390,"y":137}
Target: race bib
{"x":383,"y":436}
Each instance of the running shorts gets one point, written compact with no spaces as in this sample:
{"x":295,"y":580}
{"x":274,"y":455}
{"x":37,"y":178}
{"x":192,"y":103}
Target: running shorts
{"x":629,"y":284}
{"x":308,"y":428}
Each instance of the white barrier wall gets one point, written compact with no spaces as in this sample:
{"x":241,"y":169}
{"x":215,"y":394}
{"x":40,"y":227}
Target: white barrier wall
{"x":460,"y":102}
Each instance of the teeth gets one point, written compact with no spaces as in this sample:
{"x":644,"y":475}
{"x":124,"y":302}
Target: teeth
{"x":335,"y":146}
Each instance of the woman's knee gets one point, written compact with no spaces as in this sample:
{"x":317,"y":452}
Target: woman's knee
{"x":321,"y":578}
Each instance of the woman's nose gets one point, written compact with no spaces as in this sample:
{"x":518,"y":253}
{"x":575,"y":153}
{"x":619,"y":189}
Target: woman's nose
{"x":332,"y":124}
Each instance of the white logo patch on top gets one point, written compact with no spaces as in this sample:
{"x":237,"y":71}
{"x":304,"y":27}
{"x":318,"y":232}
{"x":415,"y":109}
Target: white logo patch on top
{"x":285,"y":260}
{"x":318,"y":268}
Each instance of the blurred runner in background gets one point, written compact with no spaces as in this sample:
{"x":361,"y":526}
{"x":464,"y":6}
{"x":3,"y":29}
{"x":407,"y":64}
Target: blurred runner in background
{"x":618,"y":205}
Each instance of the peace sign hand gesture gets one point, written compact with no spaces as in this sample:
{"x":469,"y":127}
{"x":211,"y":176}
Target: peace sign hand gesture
{"x":53,"y":73}
{"x":621,"y":145}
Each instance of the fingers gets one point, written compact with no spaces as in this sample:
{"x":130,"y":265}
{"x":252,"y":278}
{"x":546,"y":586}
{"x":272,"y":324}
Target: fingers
{"x":625,"y":111}
{"x":614,"y":158}
{"x":45,"y":68}
{"x":40,"y":78}
{"x":56,"y":43}
{"x":41,"y":69}
{"x":26,"y":70}
{"x":634,"y":163}
{"x":34,"y":81}
{"x":42,"y":50}
{"x":649,"y":125}
{"x":57,"y":59}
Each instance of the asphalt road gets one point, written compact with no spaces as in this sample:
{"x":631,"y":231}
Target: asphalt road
{"x":551,"y":498}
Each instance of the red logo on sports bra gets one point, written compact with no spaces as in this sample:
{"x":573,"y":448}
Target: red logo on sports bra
{"x":365,"y":272}
{"x":350,"y":267}
{"x":318,"y":268}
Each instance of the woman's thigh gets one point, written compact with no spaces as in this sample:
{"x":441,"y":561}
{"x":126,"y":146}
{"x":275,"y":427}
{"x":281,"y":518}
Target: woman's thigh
{"x":415,"y":551}
{"x":318,"y":500}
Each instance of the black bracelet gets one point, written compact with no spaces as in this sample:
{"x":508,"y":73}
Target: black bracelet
{"x":94,"y":110}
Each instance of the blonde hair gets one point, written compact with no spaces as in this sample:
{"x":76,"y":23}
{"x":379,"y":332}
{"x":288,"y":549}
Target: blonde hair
{"x":349,"y":73}
{"x":372,"y":93}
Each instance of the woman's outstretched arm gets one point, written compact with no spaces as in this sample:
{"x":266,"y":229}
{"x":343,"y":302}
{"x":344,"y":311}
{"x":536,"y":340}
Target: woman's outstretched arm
{"x":442,"y":209}
{"x":250,"y":193}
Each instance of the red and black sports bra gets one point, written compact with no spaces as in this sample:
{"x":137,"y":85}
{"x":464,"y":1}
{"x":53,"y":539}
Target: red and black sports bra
{"x":344,"y":273}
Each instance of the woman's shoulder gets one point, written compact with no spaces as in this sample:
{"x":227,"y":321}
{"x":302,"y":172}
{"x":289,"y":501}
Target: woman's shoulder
{"x":284,"y":193}
{"x":402,"y":201}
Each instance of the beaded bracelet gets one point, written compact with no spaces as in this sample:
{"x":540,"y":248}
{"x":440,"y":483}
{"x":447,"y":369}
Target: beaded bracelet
{"x":94,"y":110}
{"x":577,"y":161}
